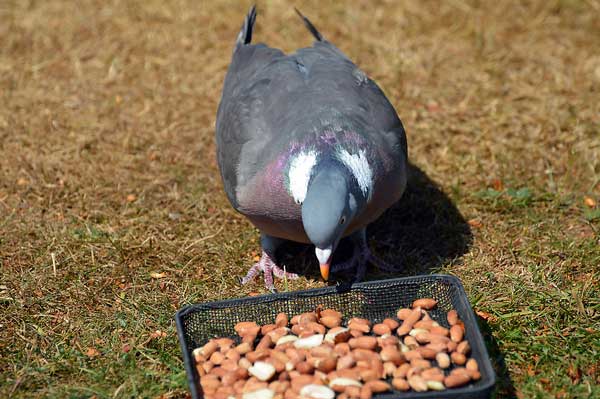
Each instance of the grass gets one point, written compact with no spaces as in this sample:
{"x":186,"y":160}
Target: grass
{"x":112,"y":215}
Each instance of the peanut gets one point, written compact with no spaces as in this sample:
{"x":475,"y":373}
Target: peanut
{"x":330,"y":321}
{"x":439,"y":330}
{"x":262,"y":370}
{"x":472,"y":365}
{"x":342,"y":348}
{"x":317,"y":392}
{"x":474,"y":374}
{"x":381,"y":329}
{"x":435,"y":385}
{"x":304,"y":367}
{"x":256,"y":355}
{"x":391,"y":354}
{"x":307,"y":317}
{"x":427,"y":353}
{"x":452,"y":317}
{"x":402,"y":371}
{"x":407,"y":324}
{"x":264,"y":330}
{"x":425,"y":324}
{"x":217,"y":358}
{"x":403,"y":313}
{"x":337,"y":335}
{"x":456,"y":333}
{"x":463,"y":348}
{"x":424,"y":303}
{"x":331,"y":313}
{"x":443,"y":360}
{"x":359,"y":325}
{"x":264,"y":343}
{"x":365,"y":342}
{"x":281,"y":320}
{"x":420,"y":364}
{"x":458,"y":358}
{"x":246,"y":328}
{"x":456,"y":380}
{"x":317,"y":328}
{"x":278,"y":333}
{"x":387,"y":339}
{"x":340,"y":384}
{"x":309,"y":342}
{"x":400,"y":384}
{"x":388,"y":369}
{"x":345,"y":362}
{"x":263,"y":393}
{"x":326,"y":365}
{"x":208,"y":349}
{"x":391,"y":323}
{"x":279,"y":386}
{"x":286,"y":339}
{"x":298,"y":382}
{"x":433,"y":374}
{"x":417,"y":383}
{"x":378,"y":386}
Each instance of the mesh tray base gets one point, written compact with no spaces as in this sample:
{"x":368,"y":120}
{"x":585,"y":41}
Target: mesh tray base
{"x":373,"y":300}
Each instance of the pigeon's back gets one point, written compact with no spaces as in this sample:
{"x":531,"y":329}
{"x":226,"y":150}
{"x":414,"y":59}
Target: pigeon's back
{"x":275,"y":106}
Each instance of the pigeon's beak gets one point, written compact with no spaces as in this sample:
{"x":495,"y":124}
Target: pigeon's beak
{"x":325,"y":271}
{"x":324,"y":256}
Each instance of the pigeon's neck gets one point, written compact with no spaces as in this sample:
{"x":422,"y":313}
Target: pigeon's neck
{"x":303,"y":166}
{"x":336,"y":168}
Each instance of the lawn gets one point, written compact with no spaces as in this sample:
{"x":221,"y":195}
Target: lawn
{"x":112,"y":214}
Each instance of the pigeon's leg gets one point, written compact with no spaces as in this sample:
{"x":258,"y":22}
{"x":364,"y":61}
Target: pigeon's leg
{"x":361,"y":256}
{"x":267,"y":264}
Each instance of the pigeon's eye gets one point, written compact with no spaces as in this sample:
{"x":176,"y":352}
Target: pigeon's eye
{"x":343,"y":220}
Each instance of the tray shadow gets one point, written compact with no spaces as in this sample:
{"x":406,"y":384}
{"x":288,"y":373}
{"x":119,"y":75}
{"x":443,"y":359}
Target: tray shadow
{"x":420,"y":233}
{"x":504,"y":384}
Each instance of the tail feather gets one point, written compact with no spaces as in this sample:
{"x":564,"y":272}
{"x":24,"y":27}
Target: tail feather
{"x":245,"y":35}
{"x":310,"y":26}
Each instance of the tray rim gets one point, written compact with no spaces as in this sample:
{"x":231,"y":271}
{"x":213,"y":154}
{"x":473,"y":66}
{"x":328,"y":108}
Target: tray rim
{"x":486,"y":386}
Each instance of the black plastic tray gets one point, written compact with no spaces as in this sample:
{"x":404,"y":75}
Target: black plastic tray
{"x":374,"y":300}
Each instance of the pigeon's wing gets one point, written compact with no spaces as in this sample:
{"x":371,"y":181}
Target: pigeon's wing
{"x":355,"y":93}
{"x":332,"y":72}
{"x":240,"y":117}
{"x":240,"y":114}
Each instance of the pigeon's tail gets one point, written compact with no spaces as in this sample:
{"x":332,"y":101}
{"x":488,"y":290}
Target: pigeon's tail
{"x":245,"y":35}
{"x":310,"y":26}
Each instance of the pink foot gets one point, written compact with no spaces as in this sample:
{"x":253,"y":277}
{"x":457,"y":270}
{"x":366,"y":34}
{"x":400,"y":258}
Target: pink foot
{"x":269,"y":269}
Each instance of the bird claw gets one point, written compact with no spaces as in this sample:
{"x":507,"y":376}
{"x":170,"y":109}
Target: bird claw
{"x":281,"y":273}
{"x":269,"y":268}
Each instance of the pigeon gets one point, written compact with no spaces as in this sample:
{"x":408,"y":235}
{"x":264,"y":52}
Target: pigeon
{"x":309,"y":149}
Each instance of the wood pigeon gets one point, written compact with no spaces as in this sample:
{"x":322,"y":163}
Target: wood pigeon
{"x":309,"y":149}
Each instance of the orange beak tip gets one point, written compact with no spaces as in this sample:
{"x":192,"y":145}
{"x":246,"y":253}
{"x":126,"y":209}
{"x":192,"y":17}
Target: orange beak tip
{"x":325,"y":271}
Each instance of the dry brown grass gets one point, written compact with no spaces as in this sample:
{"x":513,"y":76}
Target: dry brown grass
{"x":107,"y":166}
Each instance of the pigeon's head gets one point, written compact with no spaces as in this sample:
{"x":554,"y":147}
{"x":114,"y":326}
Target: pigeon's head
{"x":333,"y":199}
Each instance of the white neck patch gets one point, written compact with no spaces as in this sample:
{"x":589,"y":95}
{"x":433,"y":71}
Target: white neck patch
{"x":299,"y":174}
{"x":360,"y":168}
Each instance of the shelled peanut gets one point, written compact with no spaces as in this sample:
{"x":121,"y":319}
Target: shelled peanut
{"x":313,"y":356}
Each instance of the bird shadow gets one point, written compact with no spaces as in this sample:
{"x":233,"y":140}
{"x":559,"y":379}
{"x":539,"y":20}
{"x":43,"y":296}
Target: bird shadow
{"x":419,"y":234}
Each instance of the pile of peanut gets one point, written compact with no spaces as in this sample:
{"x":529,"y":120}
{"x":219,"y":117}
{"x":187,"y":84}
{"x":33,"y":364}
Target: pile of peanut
{"x":313,"y":356}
